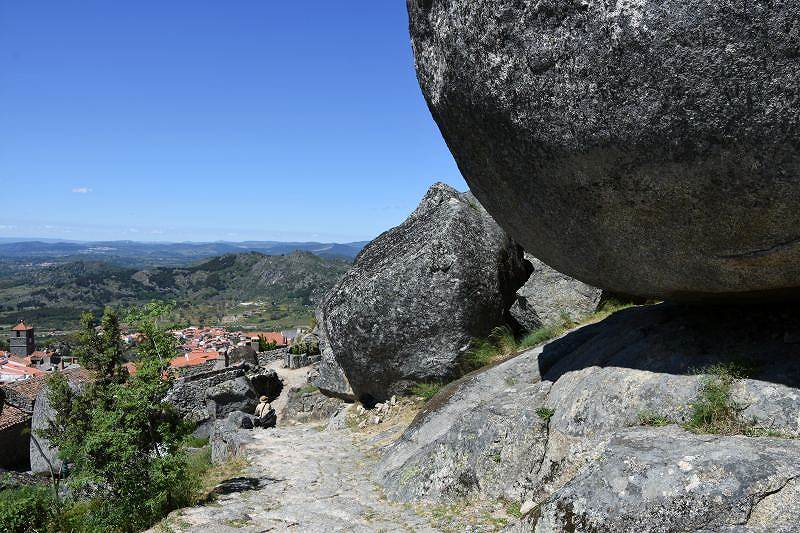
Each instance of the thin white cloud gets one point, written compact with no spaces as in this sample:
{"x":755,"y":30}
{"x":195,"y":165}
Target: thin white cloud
{"x":82,"y":190}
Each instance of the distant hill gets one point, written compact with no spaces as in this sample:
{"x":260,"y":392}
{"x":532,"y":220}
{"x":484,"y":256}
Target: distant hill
{"x":148,"y":254}
{"x":245,"y":289}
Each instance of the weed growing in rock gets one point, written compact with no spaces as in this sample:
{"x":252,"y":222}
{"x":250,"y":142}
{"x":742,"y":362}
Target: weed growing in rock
{"x":649,"y":418}
{"x":426,"y":391}
{"x":714,"y":410}
{"x":545,"y":413}
{"x":513,"y":508}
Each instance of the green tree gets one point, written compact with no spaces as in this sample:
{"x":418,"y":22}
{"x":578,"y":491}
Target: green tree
{"x":120,"y":437}
{"x":264,"y":345}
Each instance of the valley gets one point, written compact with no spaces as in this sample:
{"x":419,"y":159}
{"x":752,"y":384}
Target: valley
{"x":243,"y":290}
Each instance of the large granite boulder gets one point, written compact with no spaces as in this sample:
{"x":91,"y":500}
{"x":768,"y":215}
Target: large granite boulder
{"x":242,"y":354}
{"x":419,"y":293}
{"x":527,"y":428}
{"x":329,"y":376}
{"x":232,"y":395}
{"x":648,"y":148}
{"x":549,"y":296}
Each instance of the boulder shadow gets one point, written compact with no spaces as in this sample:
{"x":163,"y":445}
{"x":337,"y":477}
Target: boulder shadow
{"x":685,"y":339}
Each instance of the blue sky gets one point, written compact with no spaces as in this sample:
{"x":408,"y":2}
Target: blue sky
{"x":207,"y":120}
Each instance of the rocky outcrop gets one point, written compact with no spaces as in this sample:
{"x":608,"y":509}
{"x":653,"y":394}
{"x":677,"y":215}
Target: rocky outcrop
{"x":227,"y":440}
{"x":230,"y":396}
{"x":418,"y":294}
{"x":267,"y":383}
{"x":534,"y":428}
{"x":647,"y":148}
{"x":309,"y":405}
{"x":242,"y":354}
{"x":549,"y":296}
{"x":189,"y":395}
{"x":665,"y":479}
{"x":329,"y":376}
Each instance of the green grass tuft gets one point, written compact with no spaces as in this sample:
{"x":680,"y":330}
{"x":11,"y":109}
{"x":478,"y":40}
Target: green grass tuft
{"x":545,"y":413}
{"x":649,"y":418}
{"x":426,"y":390}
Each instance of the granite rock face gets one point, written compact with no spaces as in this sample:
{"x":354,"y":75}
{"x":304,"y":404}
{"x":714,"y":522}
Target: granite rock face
{"x":329,"y":376}
{"x":549,"y":294}
{"x":647,"y":148}
{"x":551,"y":426}
{"x":232,"y":395}
{"x":665,"y":479}
{"x":418,"y":294}
{"x":305,"y":406}
{"x":227,"y":439}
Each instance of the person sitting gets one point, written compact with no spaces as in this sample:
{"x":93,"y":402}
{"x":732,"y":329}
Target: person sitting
{"x":265,"y":414}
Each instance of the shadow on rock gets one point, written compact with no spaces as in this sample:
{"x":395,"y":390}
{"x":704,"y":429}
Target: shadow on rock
{"x":682,"y":340}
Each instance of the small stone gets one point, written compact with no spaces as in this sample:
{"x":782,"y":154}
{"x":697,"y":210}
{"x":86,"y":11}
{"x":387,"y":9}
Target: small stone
{"x":527,"y":507}
{"x":393,"y":400}
{"x":376,"y":420}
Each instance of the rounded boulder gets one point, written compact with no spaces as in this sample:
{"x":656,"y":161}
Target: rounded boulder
{"x":647,"y":148}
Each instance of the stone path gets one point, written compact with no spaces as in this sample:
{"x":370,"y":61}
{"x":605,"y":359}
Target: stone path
{"x":292,"y":377}
{"x":310,"y":480}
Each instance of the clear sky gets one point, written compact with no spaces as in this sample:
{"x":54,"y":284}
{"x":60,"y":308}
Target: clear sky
{"x":208,"y":120}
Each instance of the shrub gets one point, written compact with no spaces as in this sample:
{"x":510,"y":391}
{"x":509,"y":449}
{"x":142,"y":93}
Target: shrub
{"x":426,"y":390}
{"x":26,"y":509}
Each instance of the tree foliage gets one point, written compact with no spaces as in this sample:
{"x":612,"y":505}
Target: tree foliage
{"x":119,"y":436}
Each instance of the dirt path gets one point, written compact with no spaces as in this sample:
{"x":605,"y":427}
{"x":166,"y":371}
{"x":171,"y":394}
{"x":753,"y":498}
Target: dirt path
{"x":291,"y":378}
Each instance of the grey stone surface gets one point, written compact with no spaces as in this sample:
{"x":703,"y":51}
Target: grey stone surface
{"x":232,"y":395}
{"x":310,"y":481}
{"x":43,"y":455}
{"x":329,"y":376}
{"x":488,"y":435}
{"x":647,"y":148}
{"x":419,"y":293}
{"x":265,"y":358}
{"x":665,"y":479}
{"x":189,"y":395}
{"x":227,"y":439}
{"x":242,"y":354}
{"x":548,"y":294}
{"x":310,"y":406}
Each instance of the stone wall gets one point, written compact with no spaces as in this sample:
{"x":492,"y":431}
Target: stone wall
{"x":292,"y":360}
{"x":189,"y":371}
{"x":265,"y":358}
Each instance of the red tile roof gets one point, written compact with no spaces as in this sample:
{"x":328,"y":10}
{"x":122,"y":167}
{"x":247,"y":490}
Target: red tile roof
{"x":21,"y":327}
{"x":193,"y":359}
{"x":28,"y":387}
{"x":270,"y":336}
{"x":11,"y":416}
